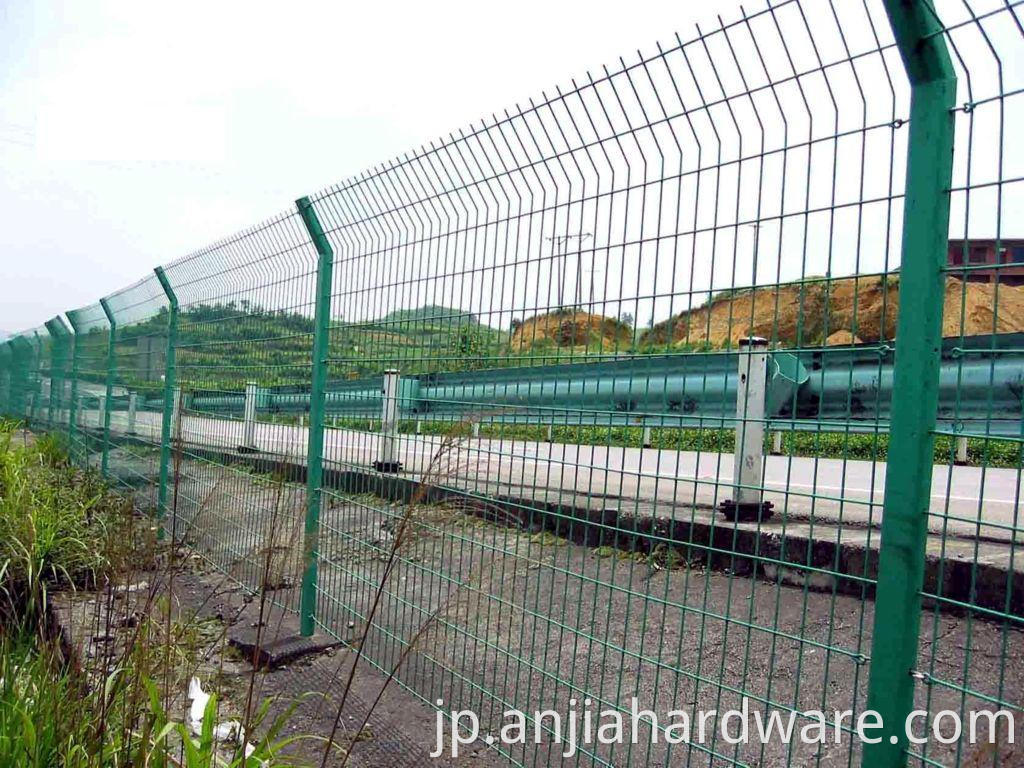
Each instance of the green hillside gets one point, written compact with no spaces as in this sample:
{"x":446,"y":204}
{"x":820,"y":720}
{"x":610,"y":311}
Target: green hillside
{"x":221,"y":346}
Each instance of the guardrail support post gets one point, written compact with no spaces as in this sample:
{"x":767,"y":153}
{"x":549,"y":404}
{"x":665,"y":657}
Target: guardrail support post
{"x":172,"y":398}
{"x":961,"y":450}
{"x":388,"y":461}
{"x":749,"y":453}
{"x":133,"y":406}
{"x":176,"y":411}
{"x":109,"y":394}
{"x":249,"y":417}
{"x":315,"y":433}
{"x":891,"y":682}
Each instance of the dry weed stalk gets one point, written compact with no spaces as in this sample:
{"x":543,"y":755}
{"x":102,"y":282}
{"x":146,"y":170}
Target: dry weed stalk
{"x":446,"y":462}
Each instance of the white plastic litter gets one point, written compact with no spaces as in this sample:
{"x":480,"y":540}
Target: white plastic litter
{"x":227,"y":732}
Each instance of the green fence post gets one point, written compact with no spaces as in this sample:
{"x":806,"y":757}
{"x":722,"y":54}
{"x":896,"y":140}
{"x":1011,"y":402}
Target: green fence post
{"x":108,"y":402}
{"x":318,"y":383}
{"x":6,"y":367}
{"x":58,"y":364}
{"x":919,"y":38}
{"x":73,"y":405}
{"x":56,"y":368}
{"x":31,"y":376}
{"x":37,"y":387}
{"x":168,"y":406}
{"x":21,"y":355}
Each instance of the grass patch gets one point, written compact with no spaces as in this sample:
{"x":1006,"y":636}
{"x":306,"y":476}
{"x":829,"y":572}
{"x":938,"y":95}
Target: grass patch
{"x":60,"y":527}
{"x":988,"y":452}
{"x":106,"y":703}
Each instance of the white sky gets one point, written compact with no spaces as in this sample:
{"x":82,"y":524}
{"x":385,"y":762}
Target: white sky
{"x":132,"y":133}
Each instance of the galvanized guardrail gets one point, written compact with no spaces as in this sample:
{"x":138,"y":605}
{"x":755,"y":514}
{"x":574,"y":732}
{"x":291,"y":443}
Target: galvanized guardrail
{"x":981,"y":387}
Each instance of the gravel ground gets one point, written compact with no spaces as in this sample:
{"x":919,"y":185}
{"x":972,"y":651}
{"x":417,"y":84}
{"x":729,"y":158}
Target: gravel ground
{"x":501,"y":617}
{"x":530,"y":621}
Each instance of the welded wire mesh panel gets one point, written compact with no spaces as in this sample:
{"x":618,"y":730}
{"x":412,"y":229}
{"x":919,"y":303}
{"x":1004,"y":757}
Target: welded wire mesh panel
{"x":28,"y":351}
{"x":568,"y":281}
{"x":14,"y":381}
{"x":61,"y":342}
{"x":89,"y":367}
{"x":244,"y":326}
{"x":37,"y":375}
{"x":566,"y":302}
{"x":975,"y":663}
{"x":138,"y":367}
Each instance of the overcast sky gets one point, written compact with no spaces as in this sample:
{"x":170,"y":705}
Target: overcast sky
{"x":132,"y":133}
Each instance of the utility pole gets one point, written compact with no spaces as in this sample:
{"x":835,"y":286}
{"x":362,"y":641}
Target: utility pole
{"x":560,"y":259}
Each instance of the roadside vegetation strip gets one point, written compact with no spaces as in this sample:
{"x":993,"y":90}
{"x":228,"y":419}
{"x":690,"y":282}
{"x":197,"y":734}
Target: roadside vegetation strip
{"x":116,"y":698}
{"x":990,"y":452}
{"x":59,"y":526}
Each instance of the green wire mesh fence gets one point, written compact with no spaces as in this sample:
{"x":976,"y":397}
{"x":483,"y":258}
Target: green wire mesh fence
{"x":138,"y":317}
{"x":91,"y":364}
{"x":694,"y":381}
{"x":244,"y":308}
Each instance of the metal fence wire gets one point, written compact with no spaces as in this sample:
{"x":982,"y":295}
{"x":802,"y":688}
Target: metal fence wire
{"x":697,"y":379}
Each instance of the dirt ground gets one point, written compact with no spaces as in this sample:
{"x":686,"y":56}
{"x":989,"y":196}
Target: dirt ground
{"x":501,"y":617}
{"x":847,"y":310}
{"x":571,"y":330}
{"x":844,"y":311}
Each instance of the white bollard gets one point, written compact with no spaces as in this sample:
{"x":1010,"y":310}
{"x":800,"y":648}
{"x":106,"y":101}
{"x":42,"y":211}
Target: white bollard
{"x":419,"y":426}
{"x":961,"y":450}
{"x":550,"y":436}
{"x":102,"y":413}
{"x":388,"y":461}
{"x":748,"y":462}
{"x":776,"y":443}
{"x":249,"y":418}
{"x":646,"y":441}
{"x":133,"y":406}
{"x":476,"y":429}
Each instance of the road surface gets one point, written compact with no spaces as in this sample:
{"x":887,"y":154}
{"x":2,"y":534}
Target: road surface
{"x":968,"y":502}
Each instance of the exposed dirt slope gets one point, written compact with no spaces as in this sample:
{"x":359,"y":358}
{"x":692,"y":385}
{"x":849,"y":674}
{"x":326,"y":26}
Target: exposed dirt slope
{"x":849,"y":310}
{"x":569,"y":330}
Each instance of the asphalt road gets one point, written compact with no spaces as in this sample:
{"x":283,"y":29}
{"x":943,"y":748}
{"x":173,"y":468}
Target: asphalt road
{"x":966,"y":501}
